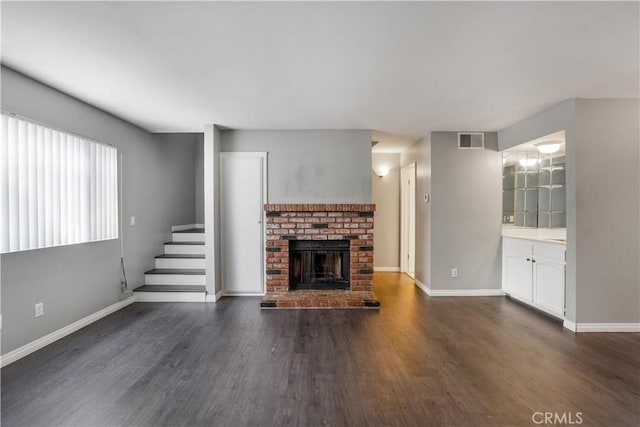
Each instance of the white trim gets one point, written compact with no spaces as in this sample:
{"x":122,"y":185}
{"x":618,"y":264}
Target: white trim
{"x":214,"y":298}
{"x":568,"y":324}
{"x":29,"y":348}
{"x":387,"y":269}
{"x":185,"y":227}
{"x":466,"y":292}
{"x":424,"y":288}
{"x":169,"y":296}
{"x":248,"y":294}
{"x":608,"y":327}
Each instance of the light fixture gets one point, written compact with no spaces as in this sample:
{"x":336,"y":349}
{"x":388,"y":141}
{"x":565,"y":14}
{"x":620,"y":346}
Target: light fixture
{"x":548,"y":147}
{"x":382,"y":171}
{"x":528,"y":161}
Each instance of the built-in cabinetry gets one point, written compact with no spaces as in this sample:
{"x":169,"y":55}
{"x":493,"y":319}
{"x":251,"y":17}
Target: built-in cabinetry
{"x":533,"y":272}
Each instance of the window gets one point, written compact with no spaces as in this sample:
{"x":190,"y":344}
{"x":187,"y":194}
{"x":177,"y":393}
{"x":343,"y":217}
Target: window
{"x":55,"y":188}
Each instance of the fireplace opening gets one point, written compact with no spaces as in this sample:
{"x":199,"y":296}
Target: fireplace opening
{"x":319,"y":264}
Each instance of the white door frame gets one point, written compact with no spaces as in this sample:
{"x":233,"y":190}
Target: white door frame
{"x":263,"y":165}
{"x":407,"y":217}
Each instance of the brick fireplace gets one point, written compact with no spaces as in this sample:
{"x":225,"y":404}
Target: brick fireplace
{"x":303,"y":270}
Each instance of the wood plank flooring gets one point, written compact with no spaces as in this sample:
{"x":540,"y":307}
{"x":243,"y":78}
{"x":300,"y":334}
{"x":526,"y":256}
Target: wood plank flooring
{"x":416,"y":361}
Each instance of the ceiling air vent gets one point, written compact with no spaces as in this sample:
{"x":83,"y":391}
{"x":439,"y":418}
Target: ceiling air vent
{"x":470,"y":140}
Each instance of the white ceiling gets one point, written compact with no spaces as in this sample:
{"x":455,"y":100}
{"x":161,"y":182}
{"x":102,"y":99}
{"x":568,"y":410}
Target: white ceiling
{"x":404,"y":69}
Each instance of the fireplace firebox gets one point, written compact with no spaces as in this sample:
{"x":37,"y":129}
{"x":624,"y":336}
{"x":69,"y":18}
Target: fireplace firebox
{"x":319,"y":264}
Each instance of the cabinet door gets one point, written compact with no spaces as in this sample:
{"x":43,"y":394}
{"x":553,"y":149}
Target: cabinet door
{"x":548,"y":289}
{"x":517,"y":272}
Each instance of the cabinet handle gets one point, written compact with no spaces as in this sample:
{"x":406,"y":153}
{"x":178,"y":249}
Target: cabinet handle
{"x":528,"y":259}
{"x":533,"y":260}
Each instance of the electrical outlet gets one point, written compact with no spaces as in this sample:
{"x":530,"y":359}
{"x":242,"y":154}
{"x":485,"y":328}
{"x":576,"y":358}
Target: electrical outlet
{"x":39,"y":309}
{"x":132,"y":222}
{"x":454,"y":272}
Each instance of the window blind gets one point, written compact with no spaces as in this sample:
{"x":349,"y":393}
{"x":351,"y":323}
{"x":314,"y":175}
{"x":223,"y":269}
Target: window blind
{"x":56,"y":188}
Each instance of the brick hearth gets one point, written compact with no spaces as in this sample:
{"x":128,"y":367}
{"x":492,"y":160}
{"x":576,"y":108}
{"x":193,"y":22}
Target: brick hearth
{"x":286,"y":222}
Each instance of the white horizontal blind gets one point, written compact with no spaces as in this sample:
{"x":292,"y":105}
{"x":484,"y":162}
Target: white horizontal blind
{"x":55,"y":188}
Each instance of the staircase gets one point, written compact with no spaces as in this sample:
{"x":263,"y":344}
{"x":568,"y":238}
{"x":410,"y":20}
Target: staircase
{"x":179,"y":274}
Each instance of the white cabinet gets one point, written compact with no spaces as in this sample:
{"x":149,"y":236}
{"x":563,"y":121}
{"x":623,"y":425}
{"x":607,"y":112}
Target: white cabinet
{"x":534,"y":273}
{"x":518,"y":280}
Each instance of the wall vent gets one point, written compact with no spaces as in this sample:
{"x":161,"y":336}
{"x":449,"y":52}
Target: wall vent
{"x":470,"y":140}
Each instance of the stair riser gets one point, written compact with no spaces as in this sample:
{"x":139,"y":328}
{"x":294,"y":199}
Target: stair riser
{"x":174,"y":279}
{"x":188,"y":237}
{"x":179,"y":263}
{"x":184,"y":249}
{"x":170,"y":297}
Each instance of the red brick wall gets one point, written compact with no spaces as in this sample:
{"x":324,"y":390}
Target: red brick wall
{"x":353,"y":222}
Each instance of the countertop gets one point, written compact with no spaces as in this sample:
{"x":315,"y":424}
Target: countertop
{"x":549,"y":235}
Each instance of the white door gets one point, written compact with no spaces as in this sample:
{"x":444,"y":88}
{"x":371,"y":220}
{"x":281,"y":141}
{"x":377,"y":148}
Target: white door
{"x":408,"y":218}
{"x":518,"y":275}
{"x":548,"y":279}
{"x":242,"y":195}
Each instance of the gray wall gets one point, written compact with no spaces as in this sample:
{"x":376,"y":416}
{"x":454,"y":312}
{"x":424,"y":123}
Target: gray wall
{"x":553,"y":119}
{"x":466,"y":213}
{"x":386,"y":196}
{"x":199,"y":179}
{"x":78,"y":280}
{"x":607,"y":204}
{"x":310,"y":166}
{"x":420,"y":154}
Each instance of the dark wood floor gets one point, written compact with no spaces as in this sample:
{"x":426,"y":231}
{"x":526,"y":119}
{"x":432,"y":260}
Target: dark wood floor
{"x":417,"y":361}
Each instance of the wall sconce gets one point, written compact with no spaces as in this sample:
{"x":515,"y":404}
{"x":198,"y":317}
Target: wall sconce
{"x":382,"y":171}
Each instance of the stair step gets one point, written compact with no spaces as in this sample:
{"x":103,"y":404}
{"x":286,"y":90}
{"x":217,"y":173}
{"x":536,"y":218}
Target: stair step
{"x":181,"y":261}
{"x":181,"y":256}
{"x":170,"y":288}
{"x":160,"y":293}
{"x":190,"y":271}
{"x":193,"y":235}
{"x":191,"y":230}
{"x":175,"y":276}
{"x":193,"y":248}
{"x":185,"y":243}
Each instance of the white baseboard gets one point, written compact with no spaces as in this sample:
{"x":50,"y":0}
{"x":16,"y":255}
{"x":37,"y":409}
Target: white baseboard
{"x":387,"y":269}
{"x":466,"y":292}
{"x":214,"y":297}
{"x":29,"y":348}
{"x":568,"y":324}
{"x":424,"y":288}
{"x":248,"y":294}
{"x":608,"y":327}
{"x":186,"y":227}
{"x":458,"y":292}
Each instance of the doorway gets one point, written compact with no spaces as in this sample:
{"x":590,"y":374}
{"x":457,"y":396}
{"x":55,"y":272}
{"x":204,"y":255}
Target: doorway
{"x":408,"y":220}
{"x":243,"y":192}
